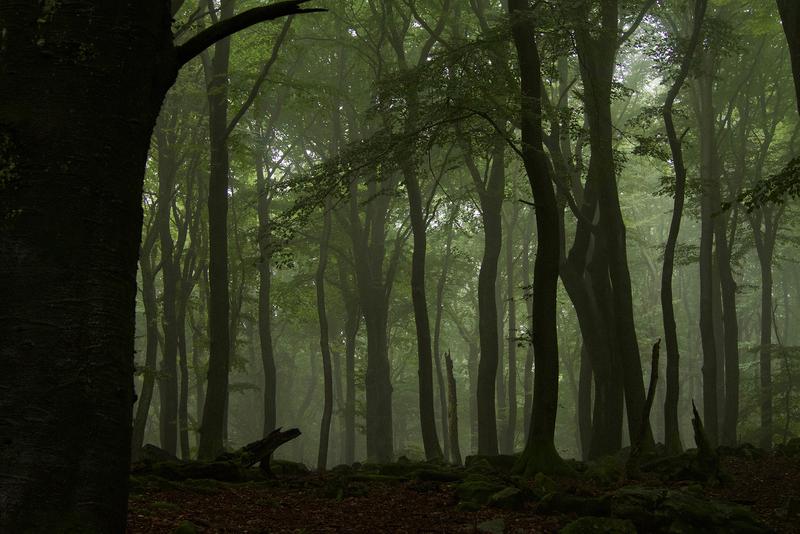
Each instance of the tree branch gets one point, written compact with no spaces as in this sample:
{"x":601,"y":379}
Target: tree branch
{"x":635,"y":24}
{"x":227,"y":27}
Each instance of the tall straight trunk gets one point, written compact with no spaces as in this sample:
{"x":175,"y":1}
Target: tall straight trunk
{"x":707,"y":208}
{"x":765,"y":355}
{"x":730,"y":339}
{"x":511,"y":290}
{"x":527,"y":373}
{"x":265,"y":298}
{"x":437,"y":328}
{"x":183,"y":397}
{"x":585,"y":403}
{"x":452,"y":410}
{"x":151,"y":349}
{"x":168,"y":376}
{"x":351,"y":327}
{"x":500,"y":376}
{"x":672,"y":438}
{"x":324,"y":343}
{"x":491,"y":204}
{"x":597,"y":52}
{"x":420,"y":304}
{"x":540,"y":452}
{"x":765,"y":247}
{"x":212,"y":429}
{"x":374,"y":288}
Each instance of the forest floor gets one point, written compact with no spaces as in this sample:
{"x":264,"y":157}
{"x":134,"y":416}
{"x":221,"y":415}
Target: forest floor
{"x":760,"y":493}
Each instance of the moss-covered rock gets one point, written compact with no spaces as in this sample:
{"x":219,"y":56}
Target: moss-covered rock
{"x":477,"y":489}
{"x":509,"y":498}
{"x":543,"y":485}
{"x":502,"y":463}
{"x":493,"y":526}
{"x":604,"y":525}
{"x":607,"y":470}
{"x":566,"y":503}
{"x":186,"y":527}
{"x":285,"y":467}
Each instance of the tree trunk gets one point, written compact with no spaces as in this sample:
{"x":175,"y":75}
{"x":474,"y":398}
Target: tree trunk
{"x":151,"y":347}
{"x":437,"y":329}
{"x":672,"y":438}
{"x":265,"y":298}
{"x":212,"y":429}
{"x":540,"y":453}
{"x":325,"y":349}
{"x":491,"y":204}
{"x":511,"y":290}
{"x":708,"y":178}
{"x":452,"y":410}
{"x":790,"y":17}
{"x":168,"y":377}
{"x":74,"y":136}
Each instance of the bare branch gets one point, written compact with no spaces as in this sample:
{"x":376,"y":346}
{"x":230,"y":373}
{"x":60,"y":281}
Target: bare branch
{"x":635,"y":24}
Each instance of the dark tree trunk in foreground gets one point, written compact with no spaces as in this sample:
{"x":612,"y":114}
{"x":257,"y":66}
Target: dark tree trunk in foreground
{"x":540,"y":453}
{"x":72,"y":329}
{"x":790,"y":17}
{"x":672,"y":438}
{"x":510,"y":431}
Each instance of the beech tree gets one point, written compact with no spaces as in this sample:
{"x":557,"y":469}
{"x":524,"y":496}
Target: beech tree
{"x":81,"y":89}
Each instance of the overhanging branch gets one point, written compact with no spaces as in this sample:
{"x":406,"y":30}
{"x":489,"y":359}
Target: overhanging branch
{"x":225,"y":28}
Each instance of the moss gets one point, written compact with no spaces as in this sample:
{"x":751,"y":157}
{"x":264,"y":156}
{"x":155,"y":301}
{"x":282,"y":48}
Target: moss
{"x":589,"y":525}
{"x":509,"y":498}
{"x":541,"y":457}
{"x":186,"y":527}
{"x":477,"y":489}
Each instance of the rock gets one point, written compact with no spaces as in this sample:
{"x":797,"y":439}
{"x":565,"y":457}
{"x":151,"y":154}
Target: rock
{"x":793,"y":508}
{"x":150,"y":454}
{"x":509,"y":498}
{"x":477,"y":489}
{"x":438,"y":475}
{"x":186,"y":527}
{"x":607,"y":470}
{"x":285,"y":467}
{"x":502,"y":463}
{"x":790,"y":448}
{"x":662,"y":510}
{"x":493,"y":526}
{"x":590,"y":525}
{"x":566,"y":503}
{"x":542,"y":484}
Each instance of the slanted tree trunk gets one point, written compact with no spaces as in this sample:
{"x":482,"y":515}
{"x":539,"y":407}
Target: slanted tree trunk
{"x":790,"y":18}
